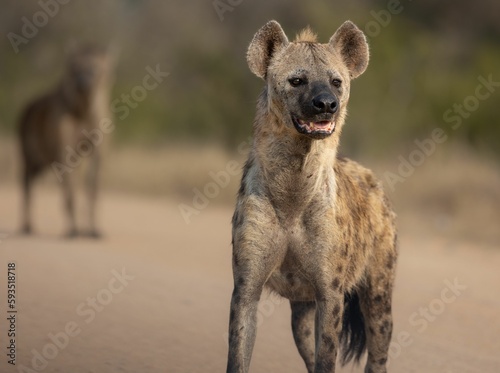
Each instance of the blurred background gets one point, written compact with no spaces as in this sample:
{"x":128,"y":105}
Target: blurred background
{"x":426,"y":57}
{"x":434,"y":69}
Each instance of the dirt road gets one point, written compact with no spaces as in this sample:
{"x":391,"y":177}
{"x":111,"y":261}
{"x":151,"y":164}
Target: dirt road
{"x":153,"y":296}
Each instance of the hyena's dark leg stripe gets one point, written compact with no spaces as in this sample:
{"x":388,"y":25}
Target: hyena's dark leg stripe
{"x":303,"y":314}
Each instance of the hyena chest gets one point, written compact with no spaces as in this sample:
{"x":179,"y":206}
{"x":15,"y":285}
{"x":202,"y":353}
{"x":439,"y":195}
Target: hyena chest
{"x":290,"y":279}
{"x":291,"y":284}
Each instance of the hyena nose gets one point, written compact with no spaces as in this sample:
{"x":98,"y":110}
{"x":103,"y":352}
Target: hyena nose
{"x":325,"y":103}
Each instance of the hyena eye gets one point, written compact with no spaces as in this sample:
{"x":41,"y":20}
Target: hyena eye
{"x":337,"y":83}
{"x":295,"y":82}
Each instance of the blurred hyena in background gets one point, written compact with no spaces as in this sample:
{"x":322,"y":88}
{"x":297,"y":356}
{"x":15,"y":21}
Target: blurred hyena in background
{"x":62,"y":127}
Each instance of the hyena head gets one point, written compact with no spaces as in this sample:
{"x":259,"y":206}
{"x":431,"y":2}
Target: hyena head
{"x":89,"y":69}
{"x":308,"y":83}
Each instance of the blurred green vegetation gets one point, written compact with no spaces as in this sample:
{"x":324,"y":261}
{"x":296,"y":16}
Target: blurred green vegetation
{"x":424,"y":59}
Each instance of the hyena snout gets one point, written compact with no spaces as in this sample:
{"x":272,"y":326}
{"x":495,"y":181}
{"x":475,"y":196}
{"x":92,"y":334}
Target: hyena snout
{"x":319,"y":103}
{"x":325,"y":103}
{"x":84,"y":81}
{"x":318,"y":113}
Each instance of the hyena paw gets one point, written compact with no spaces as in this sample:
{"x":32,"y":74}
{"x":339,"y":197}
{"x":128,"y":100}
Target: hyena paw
{"x":72,"y":233}
{"x":94,"y":233}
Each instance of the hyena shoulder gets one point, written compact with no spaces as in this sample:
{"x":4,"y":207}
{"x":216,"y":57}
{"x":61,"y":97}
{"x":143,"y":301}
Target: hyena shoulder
{"x":361,"y":198}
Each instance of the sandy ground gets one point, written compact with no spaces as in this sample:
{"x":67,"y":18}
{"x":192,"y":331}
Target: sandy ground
{"x":168,"y":311}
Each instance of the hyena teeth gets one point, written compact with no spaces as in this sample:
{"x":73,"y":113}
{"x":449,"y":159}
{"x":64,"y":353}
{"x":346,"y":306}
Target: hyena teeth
{"x":321,"y":125}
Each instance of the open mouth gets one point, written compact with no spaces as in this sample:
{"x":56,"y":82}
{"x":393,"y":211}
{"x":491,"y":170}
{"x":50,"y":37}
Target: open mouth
{"x":319,"y":129}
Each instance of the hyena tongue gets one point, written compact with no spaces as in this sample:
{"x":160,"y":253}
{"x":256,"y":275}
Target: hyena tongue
{"x":322,"y":125}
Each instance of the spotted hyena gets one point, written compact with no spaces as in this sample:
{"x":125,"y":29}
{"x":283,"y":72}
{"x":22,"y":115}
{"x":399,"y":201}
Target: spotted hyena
{"x":53,"y":126}
{"x":311,"y":226}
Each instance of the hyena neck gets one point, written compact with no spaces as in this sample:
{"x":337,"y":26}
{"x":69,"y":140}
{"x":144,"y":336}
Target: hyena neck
{"x":81,"y":105}
{"x":295,"y":168}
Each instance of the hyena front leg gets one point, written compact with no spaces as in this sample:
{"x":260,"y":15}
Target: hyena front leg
{"x":243,"y":324}
{"x":249,"y":280}
{"x":376,"y":301}
{"x":69,"y":204}
{"x":329,"y":311}
{"x":27,"y":183}
{"x":303,"y":314}
{"x":255,"y":255}
{"x":91,"y":186}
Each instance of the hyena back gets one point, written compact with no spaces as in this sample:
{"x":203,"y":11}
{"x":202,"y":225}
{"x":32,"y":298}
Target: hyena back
{"x":308,"y":225}
{"x":57,"y":121}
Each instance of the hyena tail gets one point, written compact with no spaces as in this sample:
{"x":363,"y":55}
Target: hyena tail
{"x":353,"y":336}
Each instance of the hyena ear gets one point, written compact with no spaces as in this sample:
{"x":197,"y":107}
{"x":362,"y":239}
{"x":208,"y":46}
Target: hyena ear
{"x":350,"y":41}
{"x":266,"y":42}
